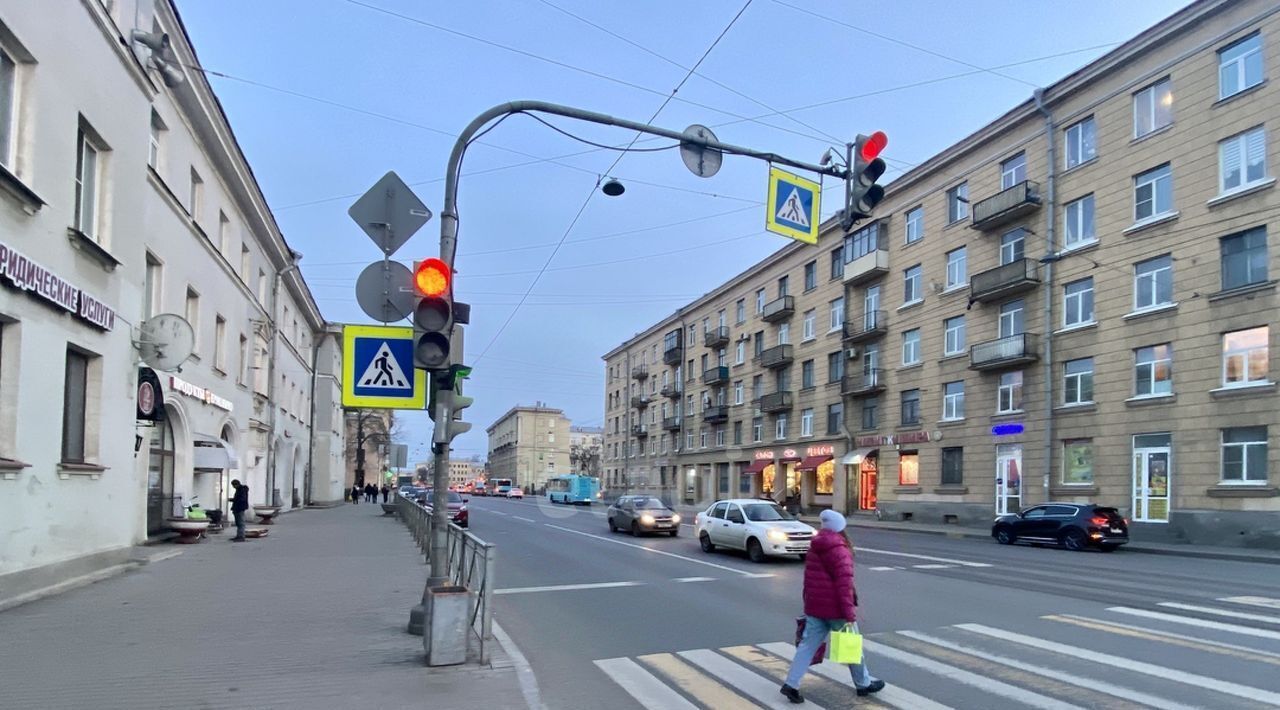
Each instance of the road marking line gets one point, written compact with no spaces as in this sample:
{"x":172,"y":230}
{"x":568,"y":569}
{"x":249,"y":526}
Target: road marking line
{"x":882,"y":569}
{"x":933,"y":566}
{"x":693,"y":579}
{"x":1179,"y":676}
{"x":524,"y":672}
{"x":962,"y":563}
{"x":1267,"y":602}
{"x":495,"y":512}
{"x":752,"y":684}
{"x":1202,"y":623}
{"x":1086,"y":683}
{"x":760,"y":575}
{"x":566,"y":587}
{"x":820,"y":689}
{"x":650,"y":549}
{"x":1196,"y":642}
{"x":641,"y":685}
{"x":1221,"y":612}
{"x":527,"y":520}
{"x":891,"y":694}
{"x":995,"y":687}
{"x":704,"y":689}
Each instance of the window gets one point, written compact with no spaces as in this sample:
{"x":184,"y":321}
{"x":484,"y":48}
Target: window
{"x":151,"y":290}
{"x":780,"y":427}
{"x":835,"y":366}
{"x":759,"y":343}
{"x":1077,"y":306}
{"x":737,"y":434}
{"x":1081,"y":142}
{"x":862,"y":242}
{"x":870,"y":414}
{"x":1077,"y":462}
{"x":244,"y":263}
{"x":954,"y":336}
{"x":806,"y":422}
{"x":74,"y":406}
{"x":1153,"y":370}
{"x":837,"y":263}
{"x":915,"y":225}
{"x":740,"y":352}
{"x":806,"y":374}
{"x":952,"y":466}
{"x":782,"y":379}
{"x":195,"y":200}
{"x":1013,"y":171}
{"x":1242,"y":160}
{"x":910,"y":407}
{"x":702,"y":438}
{"x":1153,"y":283}
{"x":88,"y":178}
{"x":8,"y":108}
{"x":1013,"y":246}
{"x":220,"y":343}
{"x":911,"y":285}
{"x":835,"y":418}
{"x":1245,"y":357}
{"x":1153,"y":108}
{"x":784,"y":283}
{"x":737,"y":392}
{"x":1078,"y":226}
{"x":1244,"y":455}
{"x":1244,"y":258}
{"x":958,"y":202}
{"x":757,"y":387}
{"x":908,"y":469}
{"x":719,"y":436}
{"x":957,"y":268}
{"x":835,"y":313}
{"x":757,"y":430}
{"x":1011,"y":318}
{"x":953,"y":401}
{"x":1153,"y":193}
{"x":1009,"y":394}
{"x":693,"y":335}
{"x":740,"y":311}
{"x":911,"y":347}
{"x":784,"y":333}
{"x":810,"y":324}
{"x":811,"y":275}
{"x":262,"y":287}
{"x":193,"y":315}
{"x":759,"y":303}
{"x":154,"y":140}
{"x":242,"y":369}
{"x":1078,"y":381}
{"x":224,"y":234}
{"x":720,"y":322}
{"x":688,"y":440}
{"x":1240,"y":66}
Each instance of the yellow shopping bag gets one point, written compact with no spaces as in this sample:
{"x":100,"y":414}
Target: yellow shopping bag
{"x":845,"y":646}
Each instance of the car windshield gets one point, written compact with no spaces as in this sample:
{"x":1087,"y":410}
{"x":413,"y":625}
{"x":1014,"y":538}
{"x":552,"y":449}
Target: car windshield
{"x":650,"y":504}
{"x":764,"y":512}
{"x":454,"y":497}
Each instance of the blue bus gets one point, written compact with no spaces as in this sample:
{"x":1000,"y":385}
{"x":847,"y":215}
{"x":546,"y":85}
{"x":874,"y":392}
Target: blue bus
{"x":573,"y":489}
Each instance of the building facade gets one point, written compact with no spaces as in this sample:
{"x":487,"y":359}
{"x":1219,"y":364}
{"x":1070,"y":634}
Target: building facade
{"x":124,"y":196}
{"x":369,"y":434}
{"x":529,"y":445}
{"x":1074,"y":303}
{"x":586,"y":447}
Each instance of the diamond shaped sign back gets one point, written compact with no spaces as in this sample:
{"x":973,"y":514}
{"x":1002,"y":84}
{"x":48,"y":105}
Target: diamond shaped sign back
{"x":389,"y":213}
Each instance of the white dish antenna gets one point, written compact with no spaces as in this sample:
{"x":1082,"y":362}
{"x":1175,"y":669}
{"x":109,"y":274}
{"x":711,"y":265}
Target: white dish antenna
{"x":166,"y":341}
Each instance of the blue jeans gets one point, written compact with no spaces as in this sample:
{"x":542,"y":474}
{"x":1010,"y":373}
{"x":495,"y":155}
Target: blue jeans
{"x":239,"y":516}
{"x":815,"y":632}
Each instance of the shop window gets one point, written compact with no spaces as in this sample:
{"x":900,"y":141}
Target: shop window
{"x":909,"y":468}
{"x":825,"y":478}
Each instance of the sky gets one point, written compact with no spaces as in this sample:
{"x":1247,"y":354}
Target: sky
{"x":326,"y":96}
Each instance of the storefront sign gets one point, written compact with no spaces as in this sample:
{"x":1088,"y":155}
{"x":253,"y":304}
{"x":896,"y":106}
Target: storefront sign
{"x":200,"y":393}
{"x":150,"y":398}
{"x":906,"y":437}
{"x":27,"y":275}
{"x":820,"y":450}
{"x":764,"y":454}
{"x":1007,"y":429}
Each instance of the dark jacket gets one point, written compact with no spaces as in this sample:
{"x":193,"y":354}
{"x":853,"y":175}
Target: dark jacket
{"x":240,"y":501}
{"x":828,"y":577}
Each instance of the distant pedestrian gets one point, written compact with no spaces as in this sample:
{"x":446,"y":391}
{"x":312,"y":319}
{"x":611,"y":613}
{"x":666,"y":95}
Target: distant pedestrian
{"x":355,"y":494}
{"x":385,"y":492}
{"x":830,"y":602}
{"x":372,"y":492}
{"x":239,"y":505}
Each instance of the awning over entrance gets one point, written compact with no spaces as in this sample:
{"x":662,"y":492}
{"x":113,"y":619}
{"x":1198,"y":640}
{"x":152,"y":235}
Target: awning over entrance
{"x":758,"y":465}
{"x":811,"y":463}
{"x":856,"y":456}
{"x":232,"y":457}
{"x":789,"y":459}
{"x":210,"y":454}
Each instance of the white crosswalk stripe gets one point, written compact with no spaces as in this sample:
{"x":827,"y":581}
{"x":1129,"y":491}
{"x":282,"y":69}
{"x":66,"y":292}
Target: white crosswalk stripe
{"x":1193,"y":621}
{"x":1222,"y":612}
{"x":892,"y":694}
{"x":753,"y":685}
{"x":642,"y":685}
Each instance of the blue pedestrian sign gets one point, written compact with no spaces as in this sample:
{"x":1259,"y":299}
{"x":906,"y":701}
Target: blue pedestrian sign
{"x":794,"y":206}
{"x":377,"y":368}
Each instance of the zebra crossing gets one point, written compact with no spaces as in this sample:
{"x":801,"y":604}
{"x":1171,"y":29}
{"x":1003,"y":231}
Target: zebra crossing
{"x":1173,"y":655}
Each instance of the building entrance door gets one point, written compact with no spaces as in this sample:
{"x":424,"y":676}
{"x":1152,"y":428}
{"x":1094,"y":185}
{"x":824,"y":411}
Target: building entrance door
{"x":159,"y":477}
{"x":1008,"y":479}
{"x":868,"y":479}
{"x":1151,"y":470}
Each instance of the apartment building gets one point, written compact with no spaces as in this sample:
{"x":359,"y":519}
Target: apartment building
{"x":1074,"y":303}
{"x":529,"y":445}
{"x":586,"y":445}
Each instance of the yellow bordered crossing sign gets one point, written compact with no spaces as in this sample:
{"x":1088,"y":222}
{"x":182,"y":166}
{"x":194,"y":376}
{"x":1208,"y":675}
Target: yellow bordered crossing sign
{"x":377,"y":368}
{"x":793,"y":207}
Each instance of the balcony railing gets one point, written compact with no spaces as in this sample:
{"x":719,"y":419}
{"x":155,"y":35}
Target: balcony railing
{"x":868,"y":326}
{"x":640,"y":372}
{"x":671,"y":391}
{"x":1002,"y":353}
{"x":776,"y":402}
{"x":639,"y":401}
{"x":640,"y":430}
{"x":716,"y":413}
{"x":868,"y":267}
{"x":1006,"y":205}
{"x":779,"y":309}
{"x":671,"y":423}
{"x":778,"y":356}
{"x":716,"y":376}
{"x":672,"y":356}
{"x":716,"y":337}
{"x":862,"y":383}
{"x":1002,"y":281}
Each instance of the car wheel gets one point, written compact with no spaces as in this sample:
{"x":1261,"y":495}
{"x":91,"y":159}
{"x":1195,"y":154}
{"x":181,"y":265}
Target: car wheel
{"x":675,"y":533}
{"x":635,"y":530}
{"x":754,"y":551}
{"x":1108,"y":548}
{"x":612,"y":528}
{"x":705,"y":541}
{"x":1005,"y":536}
{"x":1073,"y":540}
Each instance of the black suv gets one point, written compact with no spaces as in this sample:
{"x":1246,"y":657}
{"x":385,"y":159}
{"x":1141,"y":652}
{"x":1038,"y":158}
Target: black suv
{"x":1072,"y":525}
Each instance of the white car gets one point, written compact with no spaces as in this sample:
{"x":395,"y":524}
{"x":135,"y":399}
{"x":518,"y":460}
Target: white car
{"x":761,"y":527}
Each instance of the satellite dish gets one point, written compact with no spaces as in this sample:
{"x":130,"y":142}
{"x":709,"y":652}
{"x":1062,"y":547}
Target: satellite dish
{"x":167,"y":341}
{"x":701,"y":160}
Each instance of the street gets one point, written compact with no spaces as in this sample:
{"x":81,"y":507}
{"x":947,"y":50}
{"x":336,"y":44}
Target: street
{"x":610,"y":620}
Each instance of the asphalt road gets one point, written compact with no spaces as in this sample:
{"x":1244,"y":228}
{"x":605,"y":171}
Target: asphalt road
{"x":611,"y":621}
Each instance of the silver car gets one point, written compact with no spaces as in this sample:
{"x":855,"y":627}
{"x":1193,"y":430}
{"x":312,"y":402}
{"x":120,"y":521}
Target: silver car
{"x":761,"y":527}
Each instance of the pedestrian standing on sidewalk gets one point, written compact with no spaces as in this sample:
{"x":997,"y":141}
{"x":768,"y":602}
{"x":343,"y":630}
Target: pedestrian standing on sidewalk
{"x":385,"y":492}
{"x":372,"y":492}
{"x":830,"y":604}
{"x":355,"y":494}
{"x":239,"y":505}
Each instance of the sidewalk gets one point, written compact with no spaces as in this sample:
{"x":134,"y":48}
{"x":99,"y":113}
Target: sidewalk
{"x":312,"y":616}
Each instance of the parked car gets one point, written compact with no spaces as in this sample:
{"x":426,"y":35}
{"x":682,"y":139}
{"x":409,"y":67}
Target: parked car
{"x":762,"y":528}
{"x":642,"y":514}
{"x":1071,"y":525}
{"x":457,"y":509}
{"x":516,"y":493}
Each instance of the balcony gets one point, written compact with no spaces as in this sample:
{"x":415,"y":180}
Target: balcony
{"x":868,"y":267}
{"x":639,"y":401}
{"x":671,"y":391}
{"x":671,"y":423}
{"x":716,"y":376}
{"x":673,"y":355}
{"x":779,"y":309}
{"x":864,"y":383}
{"x":776,"y":402}
{"x":640,"y":430}
{"x":778,"y":356}
{"x":1006,"y":205}
{"x":716,"y":337}
{"x":1003,"y":353}
{"x":718,"y":413}
{"x":1003,"y":281}
{"x":868,"y":326}
{"x":640,"y":372}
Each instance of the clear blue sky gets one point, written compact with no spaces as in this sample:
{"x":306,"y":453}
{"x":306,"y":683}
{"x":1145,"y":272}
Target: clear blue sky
{"x":330,"y":94}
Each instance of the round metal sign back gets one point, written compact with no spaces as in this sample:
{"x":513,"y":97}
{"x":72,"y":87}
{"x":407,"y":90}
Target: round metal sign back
{"x":701,"y":160}
{"x":384,"y":291}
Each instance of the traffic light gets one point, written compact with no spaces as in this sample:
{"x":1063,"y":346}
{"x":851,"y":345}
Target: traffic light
{"x":433,"y":314}
{"x":868,"y":166}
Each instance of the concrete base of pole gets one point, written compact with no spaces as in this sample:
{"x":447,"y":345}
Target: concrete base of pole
{"x":417,"y":619}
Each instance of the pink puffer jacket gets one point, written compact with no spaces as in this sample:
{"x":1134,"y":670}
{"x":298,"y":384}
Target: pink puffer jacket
{"x":828,"y":578}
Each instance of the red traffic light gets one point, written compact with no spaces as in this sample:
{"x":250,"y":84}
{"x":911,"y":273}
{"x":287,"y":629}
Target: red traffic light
{"x":431,"y":277}
{"x":873,"y":145}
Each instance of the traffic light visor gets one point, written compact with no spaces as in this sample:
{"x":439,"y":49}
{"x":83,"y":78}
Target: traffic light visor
{"x":873,"y":145}
{"x":432,"y":278}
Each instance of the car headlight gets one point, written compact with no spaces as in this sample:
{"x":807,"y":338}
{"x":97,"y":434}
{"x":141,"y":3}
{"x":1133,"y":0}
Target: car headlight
{"x":646,"y":519}
{"x":675,"y":518}
{"x":777,"y":535}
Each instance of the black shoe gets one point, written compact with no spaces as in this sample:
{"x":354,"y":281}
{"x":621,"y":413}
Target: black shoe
{"x":238,"y":539}
{"x":792,"y":694}
{"x":875,"y":687}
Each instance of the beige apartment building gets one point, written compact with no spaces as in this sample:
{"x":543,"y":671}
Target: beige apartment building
{"x":529,"y":445}
{"x":1075,"y":303}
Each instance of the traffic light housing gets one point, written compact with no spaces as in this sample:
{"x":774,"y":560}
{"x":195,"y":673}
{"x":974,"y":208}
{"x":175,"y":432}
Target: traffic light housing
{"x":868,"y":166}
{"x":432,"y":315}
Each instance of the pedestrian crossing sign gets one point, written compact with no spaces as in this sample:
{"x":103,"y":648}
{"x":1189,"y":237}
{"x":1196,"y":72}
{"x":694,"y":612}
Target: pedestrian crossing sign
{"x":377,"y":368}
{"x":794,"y":206}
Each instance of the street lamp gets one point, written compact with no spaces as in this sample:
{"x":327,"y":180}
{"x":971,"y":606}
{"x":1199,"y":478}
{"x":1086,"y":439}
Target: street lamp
{"x":613,"y":188}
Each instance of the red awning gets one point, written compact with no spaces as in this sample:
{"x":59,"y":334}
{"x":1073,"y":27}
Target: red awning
{"x":790,"y":459}
{"x":758,"y":465}
{"x":811,"y":463}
